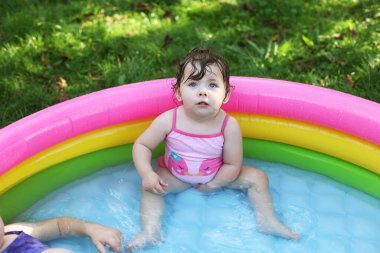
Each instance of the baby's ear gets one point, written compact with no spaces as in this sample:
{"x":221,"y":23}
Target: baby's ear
{"x":227,"y":97}
{"x":178,"y":95}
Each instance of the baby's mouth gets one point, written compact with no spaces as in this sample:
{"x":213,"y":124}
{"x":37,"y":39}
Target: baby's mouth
{"x":202,"y":103}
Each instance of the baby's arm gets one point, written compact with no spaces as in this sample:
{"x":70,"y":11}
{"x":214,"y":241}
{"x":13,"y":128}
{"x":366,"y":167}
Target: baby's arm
{"x":142,"y":152}
{"x":50,"y":229}
{"x":232,"y":157}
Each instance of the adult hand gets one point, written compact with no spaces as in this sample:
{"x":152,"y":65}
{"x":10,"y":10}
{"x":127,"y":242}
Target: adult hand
{"x":153,"y":183}
{"x":102,"y":236}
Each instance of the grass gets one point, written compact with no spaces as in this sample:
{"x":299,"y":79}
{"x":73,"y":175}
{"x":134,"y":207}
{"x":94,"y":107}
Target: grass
{"x":51,"y":51}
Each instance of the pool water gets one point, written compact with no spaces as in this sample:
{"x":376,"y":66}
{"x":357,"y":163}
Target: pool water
{"x":331,"y":217}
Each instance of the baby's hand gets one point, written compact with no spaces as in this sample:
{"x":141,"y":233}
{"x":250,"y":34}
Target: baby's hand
{"x":209,"y":187}
{"x":153,"y":183}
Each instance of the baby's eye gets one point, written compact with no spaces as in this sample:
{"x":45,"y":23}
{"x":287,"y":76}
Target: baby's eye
{"x":192,"y":84}
{"x":213,"y":85}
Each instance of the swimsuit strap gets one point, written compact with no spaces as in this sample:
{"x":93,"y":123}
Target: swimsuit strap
{"x":13,"y":233}
{"x":174,"y":121}
{"x":225,"y":122}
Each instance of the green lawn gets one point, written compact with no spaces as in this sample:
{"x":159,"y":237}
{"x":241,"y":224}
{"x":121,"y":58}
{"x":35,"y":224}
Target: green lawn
{"x":51,"y":51}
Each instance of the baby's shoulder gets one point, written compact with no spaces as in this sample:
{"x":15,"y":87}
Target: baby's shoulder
{"x":164,"y":120}
{"x":231,"y":119}
{"x":232,"y":124}
{"x":166,"y":116}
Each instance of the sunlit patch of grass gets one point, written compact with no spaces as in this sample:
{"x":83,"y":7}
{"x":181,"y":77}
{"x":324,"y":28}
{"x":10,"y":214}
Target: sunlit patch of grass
{"x":20,"y":61}
{"x":199,"y":6}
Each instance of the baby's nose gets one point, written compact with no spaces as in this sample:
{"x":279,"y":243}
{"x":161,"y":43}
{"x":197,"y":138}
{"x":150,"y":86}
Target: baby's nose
{"x":202,"y":92}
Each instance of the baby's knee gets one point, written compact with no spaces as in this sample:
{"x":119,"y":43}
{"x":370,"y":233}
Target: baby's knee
{"x":258,"y":179}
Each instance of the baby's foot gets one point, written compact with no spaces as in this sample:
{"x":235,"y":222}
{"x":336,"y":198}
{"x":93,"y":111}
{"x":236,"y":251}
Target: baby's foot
{"x":278,"y":229}
{"x":143,"y":239}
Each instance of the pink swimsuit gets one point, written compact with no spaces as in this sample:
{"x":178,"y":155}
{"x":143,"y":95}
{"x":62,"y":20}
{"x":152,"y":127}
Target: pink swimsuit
{"x":193,"y":158}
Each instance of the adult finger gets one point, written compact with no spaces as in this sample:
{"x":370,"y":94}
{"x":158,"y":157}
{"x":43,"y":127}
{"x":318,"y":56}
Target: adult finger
{"x":99,"y":246}
{"x":115,"y":245}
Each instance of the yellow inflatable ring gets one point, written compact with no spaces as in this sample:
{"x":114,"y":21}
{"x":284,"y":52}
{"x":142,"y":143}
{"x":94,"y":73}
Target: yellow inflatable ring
{"x":301,"y":134}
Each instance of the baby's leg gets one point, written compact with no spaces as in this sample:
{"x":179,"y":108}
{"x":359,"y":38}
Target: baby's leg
{"x":151,"y":210}
{"x":258,"y":193}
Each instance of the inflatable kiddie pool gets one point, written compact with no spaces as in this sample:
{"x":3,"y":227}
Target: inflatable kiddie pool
{"x":308,"y":127}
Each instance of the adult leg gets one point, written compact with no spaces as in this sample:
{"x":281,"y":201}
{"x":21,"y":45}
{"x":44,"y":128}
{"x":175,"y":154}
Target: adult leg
{"x":151,"y":210}
{"x":257,"y":183}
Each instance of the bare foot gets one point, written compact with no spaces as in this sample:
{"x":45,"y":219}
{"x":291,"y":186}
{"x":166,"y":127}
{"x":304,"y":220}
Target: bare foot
{"x":278,"y":229}
{"x":143,"y":239}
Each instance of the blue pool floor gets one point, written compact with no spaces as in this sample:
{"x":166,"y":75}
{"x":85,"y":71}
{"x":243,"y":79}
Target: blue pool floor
{"x":330,"y":217}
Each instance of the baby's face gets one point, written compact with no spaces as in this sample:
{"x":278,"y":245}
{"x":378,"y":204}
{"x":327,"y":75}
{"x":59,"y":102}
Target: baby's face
{"x":204,"y":96}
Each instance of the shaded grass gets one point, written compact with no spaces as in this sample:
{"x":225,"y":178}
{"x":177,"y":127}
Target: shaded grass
{"x":92,"y":45}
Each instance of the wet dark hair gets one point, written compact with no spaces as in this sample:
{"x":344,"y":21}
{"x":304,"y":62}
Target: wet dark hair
{"x":205,"y":57}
